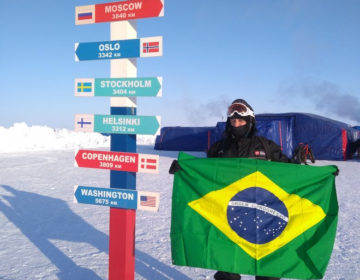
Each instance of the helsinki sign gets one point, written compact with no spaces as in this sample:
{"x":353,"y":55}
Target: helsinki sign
{"x":118,"y":124}
{"x":118,"y":198}
{"x":117,"y":11}
{"x":118,"y":161}
{"x":142,"y":47}
{"x":118,"y":87}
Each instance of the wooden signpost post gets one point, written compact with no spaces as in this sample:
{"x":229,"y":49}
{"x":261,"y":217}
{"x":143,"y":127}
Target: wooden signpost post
{"x":123,"y":124}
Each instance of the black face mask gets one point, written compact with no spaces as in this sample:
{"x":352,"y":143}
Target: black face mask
{"x":240,"y":131}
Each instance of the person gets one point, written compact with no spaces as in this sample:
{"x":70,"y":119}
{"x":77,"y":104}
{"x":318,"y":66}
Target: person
{"x":239,"y":140}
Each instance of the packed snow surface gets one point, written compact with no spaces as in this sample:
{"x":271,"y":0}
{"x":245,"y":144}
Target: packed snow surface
{"x":45,"y":235}
{"x":21,"y":138}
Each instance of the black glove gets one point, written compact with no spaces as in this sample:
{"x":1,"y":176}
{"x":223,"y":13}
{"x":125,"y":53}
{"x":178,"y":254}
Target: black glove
{"x":302,"y":153}
{"x":175,"y":166}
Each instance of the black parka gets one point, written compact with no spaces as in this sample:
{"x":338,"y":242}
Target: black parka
{"x":250,"y":147}
{"x":247,"y":147}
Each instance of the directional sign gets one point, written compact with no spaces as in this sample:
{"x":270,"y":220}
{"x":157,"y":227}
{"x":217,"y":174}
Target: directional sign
{"x":143,"y":47}
{"x":118,"y":198}
{"x":118,"y":87}
{"x":116,"y":11}
{"x":119,"y":161}
{"x":118,"y":124}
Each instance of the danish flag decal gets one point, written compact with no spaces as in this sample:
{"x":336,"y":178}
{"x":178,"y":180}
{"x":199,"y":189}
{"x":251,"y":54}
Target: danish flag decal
{"x":148,"y":163}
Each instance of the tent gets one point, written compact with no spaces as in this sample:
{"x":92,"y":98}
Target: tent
{"x":329,"y":139}
{"x":177,"y":138}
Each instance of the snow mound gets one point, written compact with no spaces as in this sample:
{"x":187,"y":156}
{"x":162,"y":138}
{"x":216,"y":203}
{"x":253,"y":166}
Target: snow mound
{"x":23,"y":138}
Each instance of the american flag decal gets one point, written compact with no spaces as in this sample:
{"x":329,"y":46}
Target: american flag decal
{"x":147,"y":200}
{"x":151,"y":47}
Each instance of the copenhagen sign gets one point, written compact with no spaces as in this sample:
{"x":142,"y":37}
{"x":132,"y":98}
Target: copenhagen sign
{"x":117,"y":49}
{"x":118,"y":87}
{"x":118,"y":198}
{"x":117,"y":11}
{"x":118,"y":161}
{"x":118,"y":124}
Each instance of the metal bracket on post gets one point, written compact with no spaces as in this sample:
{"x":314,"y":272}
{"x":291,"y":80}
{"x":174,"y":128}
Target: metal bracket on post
{"x":122,"y":221}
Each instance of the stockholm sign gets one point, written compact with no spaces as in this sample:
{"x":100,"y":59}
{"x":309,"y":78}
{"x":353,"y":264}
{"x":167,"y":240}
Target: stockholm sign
{"x":117,"y":49}
{"x":117,"y":11}
{"x":117,"y":198}
{"x":118,"y":161}
{"x":118,"y":124}
{"x":118,"y":87}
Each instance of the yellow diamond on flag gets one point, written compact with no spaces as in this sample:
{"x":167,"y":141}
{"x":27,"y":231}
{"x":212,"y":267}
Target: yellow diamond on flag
{"x":258,"y":215}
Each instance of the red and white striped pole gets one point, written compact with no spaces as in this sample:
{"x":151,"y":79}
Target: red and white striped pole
{"x":122,"y":221}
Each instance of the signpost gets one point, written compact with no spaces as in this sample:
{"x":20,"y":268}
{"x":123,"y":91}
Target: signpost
{"x":117,"y":11}
{"x":123,"y":124}
{"x":122,"y":221}
{"x":119,"y":161}
{"x":118,"y":198}
{"x":118,"y":124}
{"x":118,"y":87}
{"x":143,"y":47}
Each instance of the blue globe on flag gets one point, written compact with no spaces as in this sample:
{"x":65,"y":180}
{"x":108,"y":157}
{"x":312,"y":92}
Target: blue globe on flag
{"x":257,"y":215}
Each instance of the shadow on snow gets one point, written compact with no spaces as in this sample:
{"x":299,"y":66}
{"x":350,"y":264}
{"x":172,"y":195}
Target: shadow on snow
{"x":41,"y":218}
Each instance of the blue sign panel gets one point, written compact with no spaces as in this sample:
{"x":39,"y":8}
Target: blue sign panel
{"x":107,"y":50}
{"x":124,"y":124}
{"x":119,"y":198}
{"x":142,"y":47}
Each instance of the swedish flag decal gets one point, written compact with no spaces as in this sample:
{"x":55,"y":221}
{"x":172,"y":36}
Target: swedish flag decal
{"x":84,"y":87}
{"x":253,"y":217}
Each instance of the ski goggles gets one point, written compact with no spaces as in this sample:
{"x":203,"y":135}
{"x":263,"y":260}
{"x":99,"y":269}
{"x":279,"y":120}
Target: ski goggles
{"x":240,"y":109}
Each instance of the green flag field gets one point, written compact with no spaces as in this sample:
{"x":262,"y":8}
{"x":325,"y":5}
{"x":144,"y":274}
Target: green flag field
{"x":254,"y":217}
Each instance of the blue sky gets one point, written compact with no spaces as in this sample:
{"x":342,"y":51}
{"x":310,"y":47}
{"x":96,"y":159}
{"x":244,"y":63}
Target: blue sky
{"x":281,"y":56}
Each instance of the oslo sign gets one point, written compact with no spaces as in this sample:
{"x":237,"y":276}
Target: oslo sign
{"x":117,"y":49}
{"x":118,"y":198}
{"x":118,"y":124}
{"x":118,"y":161}
{"x":118,"y":87}
{"x":117,"y":11}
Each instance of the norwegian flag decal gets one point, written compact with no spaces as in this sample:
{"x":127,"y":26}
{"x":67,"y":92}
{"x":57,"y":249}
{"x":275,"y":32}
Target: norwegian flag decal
{"x":151,"y":47}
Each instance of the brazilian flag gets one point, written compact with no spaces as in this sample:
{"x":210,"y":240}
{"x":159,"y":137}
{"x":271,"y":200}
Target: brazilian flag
{"x":253,"y":216}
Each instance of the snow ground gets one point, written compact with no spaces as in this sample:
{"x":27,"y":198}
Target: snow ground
{"x":45,"y":235}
